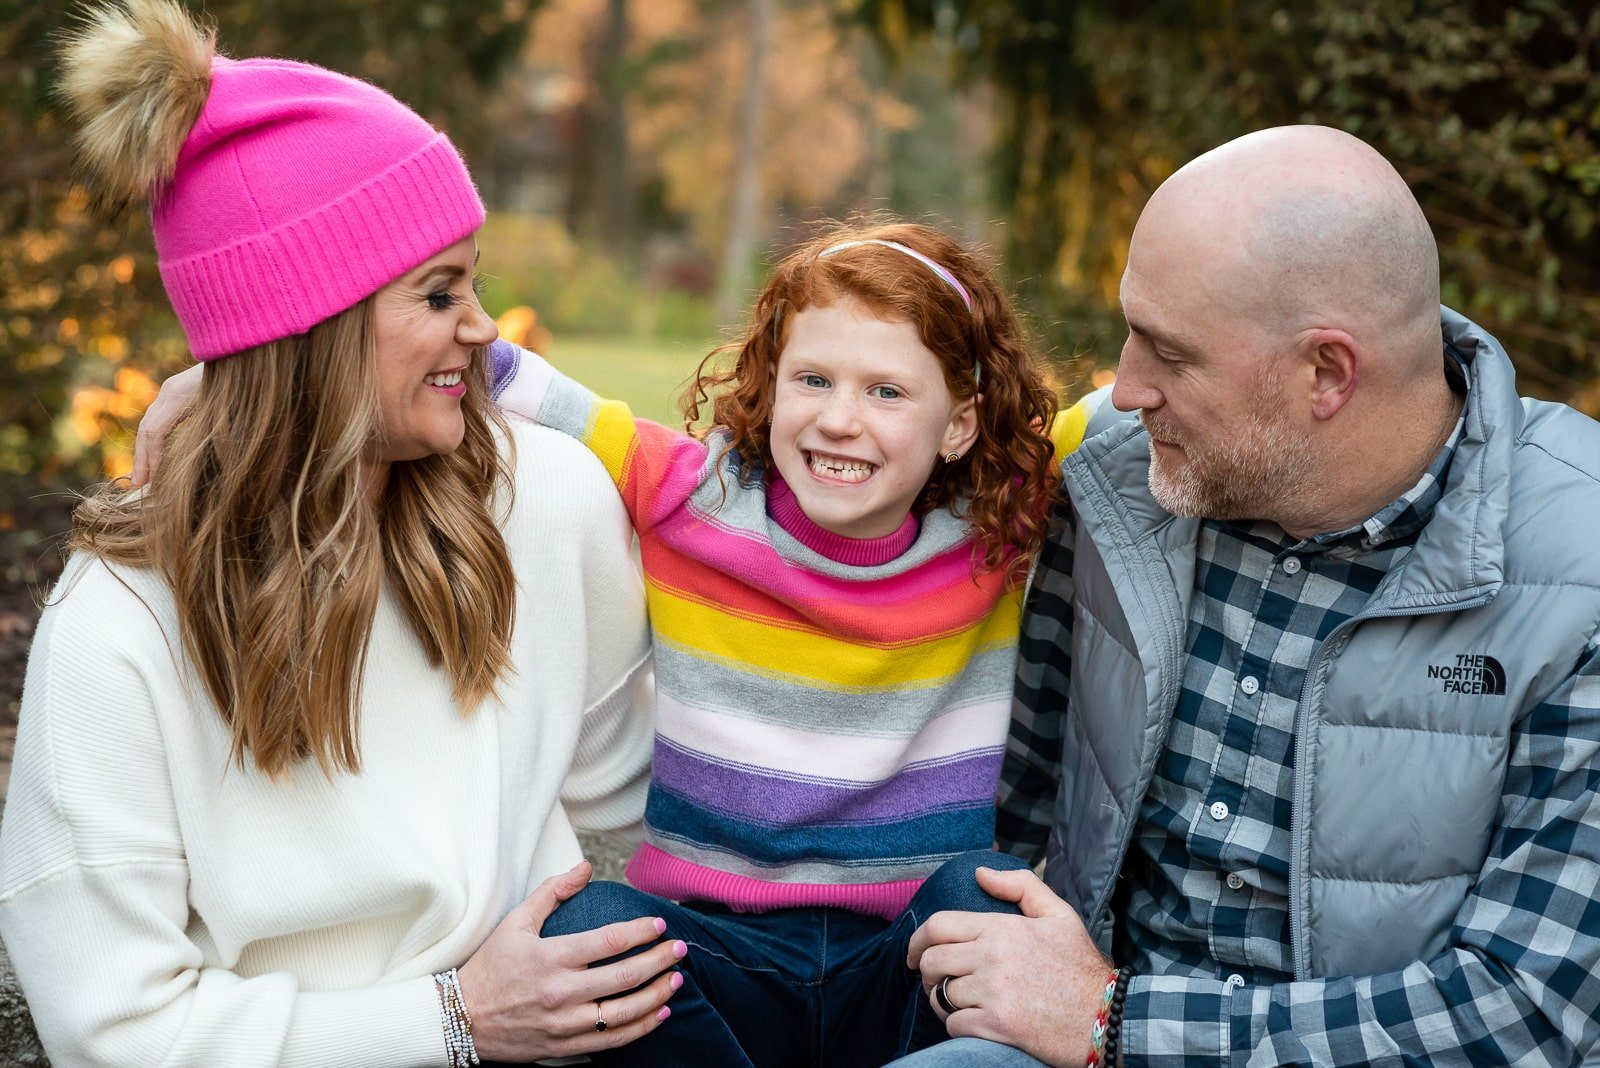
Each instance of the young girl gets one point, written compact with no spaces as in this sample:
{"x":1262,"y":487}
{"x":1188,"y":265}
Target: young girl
{"x":834,"y":579}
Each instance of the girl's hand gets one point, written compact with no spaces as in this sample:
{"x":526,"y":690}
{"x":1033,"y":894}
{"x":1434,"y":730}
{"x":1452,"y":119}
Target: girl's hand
{"x":170,"y":405}
{"x":532,"y":997}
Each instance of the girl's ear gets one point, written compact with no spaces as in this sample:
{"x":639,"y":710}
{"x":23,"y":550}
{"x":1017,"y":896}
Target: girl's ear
{"x":962,"y":432}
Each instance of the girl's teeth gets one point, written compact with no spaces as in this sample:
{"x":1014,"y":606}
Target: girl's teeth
{"x":451,"y":378}
{"x":844,"y":470}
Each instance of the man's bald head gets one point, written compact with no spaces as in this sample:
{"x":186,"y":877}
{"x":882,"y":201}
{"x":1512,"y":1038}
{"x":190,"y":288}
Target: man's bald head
{"x":1302,"y":227}
{"x":1284,"y":353}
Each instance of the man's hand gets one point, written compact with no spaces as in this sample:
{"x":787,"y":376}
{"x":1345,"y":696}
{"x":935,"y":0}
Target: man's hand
{"x":1033,"y":981}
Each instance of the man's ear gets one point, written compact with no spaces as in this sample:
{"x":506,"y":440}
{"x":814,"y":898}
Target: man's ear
{"x":962,"y":433}
{"x":1335,"y":360}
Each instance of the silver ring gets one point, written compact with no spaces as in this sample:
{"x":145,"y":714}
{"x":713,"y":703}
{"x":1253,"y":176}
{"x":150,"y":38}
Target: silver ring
{"x":599,"y":1016}
{"x":941,"y":994}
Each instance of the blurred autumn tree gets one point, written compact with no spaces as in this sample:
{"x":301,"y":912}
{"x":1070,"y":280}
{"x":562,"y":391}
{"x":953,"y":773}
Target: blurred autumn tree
{"x":1489,"y":108}
{"x":81,"y":311}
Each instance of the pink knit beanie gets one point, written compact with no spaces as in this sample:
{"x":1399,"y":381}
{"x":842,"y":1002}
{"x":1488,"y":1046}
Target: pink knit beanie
{"x":299,"y":192}
{"x":281,"y":193}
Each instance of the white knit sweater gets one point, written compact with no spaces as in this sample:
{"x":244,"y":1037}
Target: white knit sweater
{"x":163,"y":908}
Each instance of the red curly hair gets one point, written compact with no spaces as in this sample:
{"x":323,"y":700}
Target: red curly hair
{"x":1003,"y":486}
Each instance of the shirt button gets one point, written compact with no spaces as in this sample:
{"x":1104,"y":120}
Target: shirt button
{"x":1234,"y":982}
{"x":1291,"y":565}
{"x":1219,"y":810}
{"x":1249,"y":684}
{"x":1235,"y":880}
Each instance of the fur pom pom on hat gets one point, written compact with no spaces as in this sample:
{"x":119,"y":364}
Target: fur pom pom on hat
{"x":281,"y":193}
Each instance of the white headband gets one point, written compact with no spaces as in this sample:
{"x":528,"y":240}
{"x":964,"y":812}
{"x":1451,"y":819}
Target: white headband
{"x":932,"y":265}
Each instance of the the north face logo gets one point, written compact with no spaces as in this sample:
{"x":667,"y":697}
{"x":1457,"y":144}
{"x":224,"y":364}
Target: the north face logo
{"x":1472,"y":673}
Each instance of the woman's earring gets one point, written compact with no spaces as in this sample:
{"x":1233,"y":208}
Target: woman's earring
{"x":952,"y":457}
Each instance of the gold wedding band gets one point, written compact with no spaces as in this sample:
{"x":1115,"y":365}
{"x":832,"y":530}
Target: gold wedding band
{"x":599,"y":1016}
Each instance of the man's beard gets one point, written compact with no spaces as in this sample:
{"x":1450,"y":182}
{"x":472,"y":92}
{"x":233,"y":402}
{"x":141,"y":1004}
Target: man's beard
{"x":1252,"y":474}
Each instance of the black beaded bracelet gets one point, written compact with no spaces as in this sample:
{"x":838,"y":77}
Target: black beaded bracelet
{"x":1119,"y":994}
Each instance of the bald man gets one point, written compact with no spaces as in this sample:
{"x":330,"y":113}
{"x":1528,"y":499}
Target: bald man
{"x":1307,"y":724}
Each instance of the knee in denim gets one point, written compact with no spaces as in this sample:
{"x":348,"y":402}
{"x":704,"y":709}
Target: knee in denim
{"x":596,"y":905}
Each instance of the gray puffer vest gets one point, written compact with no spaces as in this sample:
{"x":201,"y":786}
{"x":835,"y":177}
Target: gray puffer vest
{"x":1404,"y":724}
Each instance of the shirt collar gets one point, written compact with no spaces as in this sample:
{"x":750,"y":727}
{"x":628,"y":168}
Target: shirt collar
{"x":1410,"y":512}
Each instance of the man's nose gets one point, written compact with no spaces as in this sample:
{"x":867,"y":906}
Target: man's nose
{"x":1132,"y":390}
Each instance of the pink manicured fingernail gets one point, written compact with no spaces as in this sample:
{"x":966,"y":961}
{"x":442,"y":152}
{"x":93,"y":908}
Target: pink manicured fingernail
{"x":677,"y":981}
{"x":661,"y":925}
{"x":664,"y":1013}
{"x":680,"y":949}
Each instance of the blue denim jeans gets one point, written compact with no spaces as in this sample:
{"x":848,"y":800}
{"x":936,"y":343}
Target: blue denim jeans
{"x":969,"y":1053}
{"x":803,"y":987}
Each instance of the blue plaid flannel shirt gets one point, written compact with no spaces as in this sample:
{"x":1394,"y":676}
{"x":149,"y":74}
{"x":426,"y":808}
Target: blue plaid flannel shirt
{"x":1204,"y":912}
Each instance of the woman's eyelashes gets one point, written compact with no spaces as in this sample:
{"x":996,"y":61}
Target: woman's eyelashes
{"x":445,"y":299}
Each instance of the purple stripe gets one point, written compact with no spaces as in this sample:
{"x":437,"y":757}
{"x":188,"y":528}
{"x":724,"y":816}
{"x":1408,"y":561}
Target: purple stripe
{"x":765,"y":797}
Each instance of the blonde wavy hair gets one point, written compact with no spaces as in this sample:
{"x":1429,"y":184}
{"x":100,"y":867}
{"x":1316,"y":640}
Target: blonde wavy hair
{"x":262,"y":519}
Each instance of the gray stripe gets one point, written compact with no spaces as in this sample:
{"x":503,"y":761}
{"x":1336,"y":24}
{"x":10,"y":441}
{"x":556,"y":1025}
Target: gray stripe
{"x":791,"y":702}
{"x":799,"y":872}
{"x":566,"y":406}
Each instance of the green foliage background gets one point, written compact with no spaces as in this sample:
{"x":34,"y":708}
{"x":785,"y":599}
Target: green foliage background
{"x":1490,"y":109}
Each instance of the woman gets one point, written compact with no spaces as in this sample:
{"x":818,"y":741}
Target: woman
{"x":276,"y":778}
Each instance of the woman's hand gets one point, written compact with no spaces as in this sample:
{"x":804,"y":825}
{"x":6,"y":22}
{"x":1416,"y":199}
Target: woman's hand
{"x":532,"y":997}
{"x":170,"y":405}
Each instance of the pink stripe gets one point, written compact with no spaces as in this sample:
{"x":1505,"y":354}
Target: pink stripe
{"x":657,"y":872}
{"x":784,"y":509}
{"x":662,"y":472}
{"x":745,"y":554}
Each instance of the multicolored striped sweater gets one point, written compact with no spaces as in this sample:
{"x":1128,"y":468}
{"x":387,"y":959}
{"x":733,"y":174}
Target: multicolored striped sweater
{"x":831,"y":711}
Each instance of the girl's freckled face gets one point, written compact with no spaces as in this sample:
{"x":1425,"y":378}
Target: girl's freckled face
{"x":860,"y":415}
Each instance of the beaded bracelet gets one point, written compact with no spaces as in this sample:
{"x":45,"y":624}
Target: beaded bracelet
{"x":1105,"y":1038}
{"x":458,"y":1047}
{"x":1119,"y":994}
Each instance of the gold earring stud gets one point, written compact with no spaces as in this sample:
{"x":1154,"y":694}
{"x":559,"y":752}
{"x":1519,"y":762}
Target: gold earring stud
{"x":952,"y":457}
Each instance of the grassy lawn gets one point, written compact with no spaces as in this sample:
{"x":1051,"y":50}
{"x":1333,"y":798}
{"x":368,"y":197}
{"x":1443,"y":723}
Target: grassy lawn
{"x":649,"y":375}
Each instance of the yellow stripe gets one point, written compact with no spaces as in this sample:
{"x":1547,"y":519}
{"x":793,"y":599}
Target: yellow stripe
{"x":612,"y":435}
{"x":1067,"y":431}
{"x":771,"y":650}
